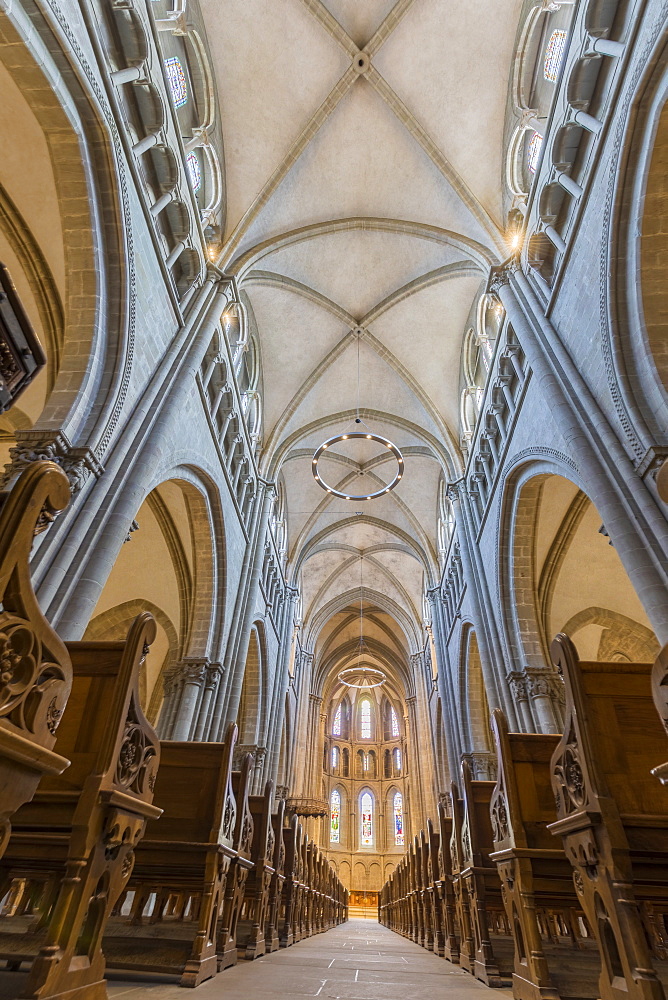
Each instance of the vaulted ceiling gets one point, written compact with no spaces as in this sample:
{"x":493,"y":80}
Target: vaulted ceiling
{"x":363,"y":159}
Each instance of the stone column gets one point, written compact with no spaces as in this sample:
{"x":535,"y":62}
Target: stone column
{"x":541,"y":690}
{"x":638,"y":529}
{"x":193,"y":672}
{"x":83,"y":545}
{"x":234,"y":662}
{"x":212,"y":682}
{"x":492,"y":657}
{"x":451,"y":725}
{"x":520,"y":694}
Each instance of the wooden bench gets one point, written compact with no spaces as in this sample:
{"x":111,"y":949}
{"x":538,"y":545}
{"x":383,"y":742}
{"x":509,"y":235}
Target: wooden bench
{"x":271,"y":933}
{"x":181,"y":867}
{"x":78,"y":835}
{"x":660,"y":695}
{"x":433,"y":880}
{"x":35,"y":662}
{"x":445,"y":889}
{"x":536,"y":876}
{"x":240,"y":865}
{"x":463,"y":916}
{"x":613,"y":817}
{"x":493,"y":949}
{"x":253,"y":916}
{"x":290,"y":898}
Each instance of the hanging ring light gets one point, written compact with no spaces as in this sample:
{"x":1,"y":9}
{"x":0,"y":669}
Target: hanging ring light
{"x":356,"y":672}
{"x":359,"y":435}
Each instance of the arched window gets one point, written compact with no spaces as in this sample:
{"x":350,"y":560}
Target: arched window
{"x":554,"y":53}
{"x":336,"y":725}
{"x":533,"y":152}
{"x":365,"y":719}
{"x":397,"y":760}
{"x":177,"y":81}
{"x":366,"y":821}
{"x":194,"y":171}
{"x":346,"y":763}
{"x":399,"y":820}
{"x":335,"y":757}
{"x":335,"y":820}
{"x":366,"y":761}
{"x":395,"y":724}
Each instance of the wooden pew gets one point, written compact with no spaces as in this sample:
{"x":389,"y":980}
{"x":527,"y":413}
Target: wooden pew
{"x":425,"y":885}
{"x":240,"y":865}
{"x":78,"y":835}
{"x":493,"y":952}
{"x":536,"y":876}
{"x":253,"y":916}
{"x":434,"y":878}
{"x":463,"y":916}
{"x":271,"y":933}
{"x":613,"y":817}
{"x":290,"y":898}
{"x":182,"y":866}
{"x":35,"y":663}
{"x":445,"y":889}
{"x":660,"y":695}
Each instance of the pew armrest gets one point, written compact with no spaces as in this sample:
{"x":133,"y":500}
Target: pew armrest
{"x":129,"y":803}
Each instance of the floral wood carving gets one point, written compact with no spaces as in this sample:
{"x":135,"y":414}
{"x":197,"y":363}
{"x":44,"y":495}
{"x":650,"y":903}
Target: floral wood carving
{"x":35,"y":667}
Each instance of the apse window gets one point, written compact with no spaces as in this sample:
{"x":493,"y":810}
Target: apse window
{"x":335,"y":822}
{"x":194,"y":171}
{"x":554,"y":53}
{"x":533,"y":153}
{"x":335,"y":757}
{"x":397,"y":759}
{"x":365,"y":720}
{"x":399,"y":820}
{"x":177,"y":81}
{"x":367,"y":820}
{"x":336,"y":726}
{"x":395,"y":725}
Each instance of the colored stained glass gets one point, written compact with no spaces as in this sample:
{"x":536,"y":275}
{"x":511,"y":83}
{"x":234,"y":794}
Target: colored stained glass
{"x":177,"y":81}
{"x":335,"y":827}
{"x":535,"y":144}
{"x":365,"y":720}
{"x":554,"y":53}
{"x":336,"y":726}
{"x":399,"y":820}
{"x":335,"y":756}
{"x":395,"y":724}
{"x":367,"y":820}
{"x":194,"y":171}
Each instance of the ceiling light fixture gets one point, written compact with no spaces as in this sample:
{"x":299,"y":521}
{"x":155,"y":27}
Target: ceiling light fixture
{"x":348,"y":437}
{"x":367,"y":435}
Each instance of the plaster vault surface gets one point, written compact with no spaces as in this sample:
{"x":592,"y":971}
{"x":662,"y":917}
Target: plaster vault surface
{"x":363,"y":170}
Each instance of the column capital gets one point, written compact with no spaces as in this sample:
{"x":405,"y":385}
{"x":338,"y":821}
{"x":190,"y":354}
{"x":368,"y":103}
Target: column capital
{"x":502,"y":273}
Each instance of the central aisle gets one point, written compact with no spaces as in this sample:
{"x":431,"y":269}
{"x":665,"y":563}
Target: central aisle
{"x":359,"y":960}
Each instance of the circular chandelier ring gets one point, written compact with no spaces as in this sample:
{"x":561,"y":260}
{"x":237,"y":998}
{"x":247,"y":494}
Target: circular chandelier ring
{"x":357,"y":435}
{"x":361,"y":670}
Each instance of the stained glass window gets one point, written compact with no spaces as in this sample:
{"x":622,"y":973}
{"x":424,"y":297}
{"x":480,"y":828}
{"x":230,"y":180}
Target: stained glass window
{"x":177,"y":81}
{"x":365,"y":720}
{"x":399,"y":820}
{"x":397,"y":759}
{"x":367,"y":820}
{"x":336,"y":725}
{"x":553,"y":55}
{"x":194,"y":171}
{"x":335,"y":827}
{"x":535,"y":143}
{"x":335,"y":756}
{"x":395,"y":724}
{"x":366,"y":762}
